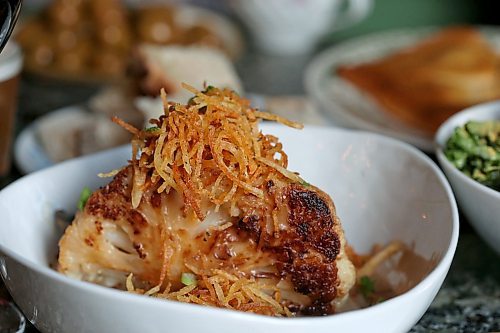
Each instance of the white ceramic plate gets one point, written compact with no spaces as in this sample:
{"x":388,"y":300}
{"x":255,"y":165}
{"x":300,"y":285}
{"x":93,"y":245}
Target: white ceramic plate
{"x":350,"y":107}
{"x":383,"y":189}
{"x":29,"y":153}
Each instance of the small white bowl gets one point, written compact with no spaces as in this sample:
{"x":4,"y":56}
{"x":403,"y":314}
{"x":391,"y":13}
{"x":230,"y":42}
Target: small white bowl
{"x":384,"y":190}
{"x":479,"y":203}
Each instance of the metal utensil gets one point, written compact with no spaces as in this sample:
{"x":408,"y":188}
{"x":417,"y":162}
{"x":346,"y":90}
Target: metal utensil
{"x":9,"y":11}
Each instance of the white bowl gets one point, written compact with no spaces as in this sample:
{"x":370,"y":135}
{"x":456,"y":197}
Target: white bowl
{"x":384,"y":190}
{"x":479,"y":203}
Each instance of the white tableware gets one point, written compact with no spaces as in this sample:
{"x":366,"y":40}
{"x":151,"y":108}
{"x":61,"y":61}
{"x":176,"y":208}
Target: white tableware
{"x":29,"y":153}
{"x":479,"y":203}
{"x":384,"y":190}
{"x":287,"y":27}
{"x":349,"y":107}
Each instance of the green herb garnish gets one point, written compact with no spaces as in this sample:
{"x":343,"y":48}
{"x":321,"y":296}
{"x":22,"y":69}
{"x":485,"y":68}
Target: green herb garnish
{"x":152,"y":129}
{"x":188,"y":279}
{"x":304,"y":183}
{"x":367,"y":287}
{"x":474,"y":149}
{"x":84,"y":197}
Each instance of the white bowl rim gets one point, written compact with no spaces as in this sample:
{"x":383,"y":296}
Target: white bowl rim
{"x":446,"y":129}
{"x":427,"y":282}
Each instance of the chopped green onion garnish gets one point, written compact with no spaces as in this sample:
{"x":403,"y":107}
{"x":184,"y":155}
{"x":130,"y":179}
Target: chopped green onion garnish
{"x":152,"y":129}
{"x":84,"y":196}
{"x":188,"y":279}
{"x":366,"y":286}
{"x":304,"y":183}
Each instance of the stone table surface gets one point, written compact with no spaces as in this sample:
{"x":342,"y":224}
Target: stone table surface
{"x":469,"y":300}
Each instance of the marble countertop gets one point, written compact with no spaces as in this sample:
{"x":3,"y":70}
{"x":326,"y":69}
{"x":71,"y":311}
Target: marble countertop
{"x":469,"y":300}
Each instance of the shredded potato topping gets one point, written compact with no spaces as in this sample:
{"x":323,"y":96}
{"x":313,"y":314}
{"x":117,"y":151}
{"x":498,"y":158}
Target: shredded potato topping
{"x":210,"y":148}
{"x":211,"y":151}
{"x":224,"y":290}
{"x":206,"y":212}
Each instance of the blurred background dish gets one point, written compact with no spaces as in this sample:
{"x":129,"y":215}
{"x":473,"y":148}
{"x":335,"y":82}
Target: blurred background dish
{"x":29,"y":154}
{"x":349,"y":105}
{"x":479,"y":203}
{"x":424,"y":84}
{"x":277,"y":26}
{"x":169,"y":67}
{"x":64,"y":134}
{"x":79,"y":130}
{"x":86,"y":128}
{"x":92,"y":40}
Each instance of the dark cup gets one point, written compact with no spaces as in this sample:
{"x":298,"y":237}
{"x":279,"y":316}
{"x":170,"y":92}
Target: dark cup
{"x":10,"y":66}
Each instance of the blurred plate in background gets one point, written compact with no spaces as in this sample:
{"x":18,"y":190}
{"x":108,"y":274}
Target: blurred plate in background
{"x":96,"y":46}
{"x":62,"y":134}
{"x":29,"y":153}
{"x":350,"y":107}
